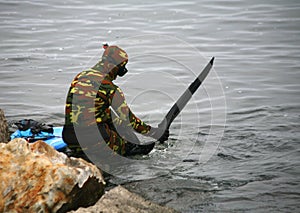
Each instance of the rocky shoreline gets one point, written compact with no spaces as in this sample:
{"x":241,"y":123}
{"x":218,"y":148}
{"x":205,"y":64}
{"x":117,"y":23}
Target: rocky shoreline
{"x":36,"y":178}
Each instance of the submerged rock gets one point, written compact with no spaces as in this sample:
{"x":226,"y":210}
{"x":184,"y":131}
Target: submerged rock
{"x":121,"y":200}
{"x":36,"y":178}
{"x":4,"y":134}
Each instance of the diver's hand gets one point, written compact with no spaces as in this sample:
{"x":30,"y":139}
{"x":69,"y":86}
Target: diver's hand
{"x":159,"y":134}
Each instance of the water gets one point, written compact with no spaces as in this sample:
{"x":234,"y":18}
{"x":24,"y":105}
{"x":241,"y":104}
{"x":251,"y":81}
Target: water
{"x":251,"y":162}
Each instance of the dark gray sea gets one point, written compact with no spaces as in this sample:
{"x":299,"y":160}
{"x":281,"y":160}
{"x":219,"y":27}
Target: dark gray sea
{"x":234,"y":148}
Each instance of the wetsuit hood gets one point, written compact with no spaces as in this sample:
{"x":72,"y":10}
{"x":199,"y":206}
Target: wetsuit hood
{"x":116,"y":58}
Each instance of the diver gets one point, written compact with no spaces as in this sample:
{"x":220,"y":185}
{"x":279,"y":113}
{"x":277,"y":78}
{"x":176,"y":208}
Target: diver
{"x":93,"y":99}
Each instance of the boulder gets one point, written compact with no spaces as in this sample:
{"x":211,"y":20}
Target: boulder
{"x":4,"y":134}
{"x":121,"y":200}
{"x":34,"y":177}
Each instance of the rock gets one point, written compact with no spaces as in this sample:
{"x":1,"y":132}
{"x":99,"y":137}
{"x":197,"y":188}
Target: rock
{"x":121,"y":200}
{"x":4,"y":134}
{"x":34,"y":177}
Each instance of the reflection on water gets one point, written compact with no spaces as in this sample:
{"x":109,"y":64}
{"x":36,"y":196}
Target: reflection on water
{"x":256,"y":45}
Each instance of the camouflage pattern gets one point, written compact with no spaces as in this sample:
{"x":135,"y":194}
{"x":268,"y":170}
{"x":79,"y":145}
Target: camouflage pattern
{"x":96,"y":94}
{"x":116,"y":54}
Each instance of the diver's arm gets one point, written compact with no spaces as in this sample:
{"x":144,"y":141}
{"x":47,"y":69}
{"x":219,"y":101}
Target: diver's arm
{"x":125,"y":114}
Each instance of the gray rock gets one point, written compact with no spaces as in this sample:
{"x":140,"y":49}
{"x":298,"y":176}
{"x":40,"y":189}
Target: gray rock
{"x":121,"y":200}
{"x":4,"y":134}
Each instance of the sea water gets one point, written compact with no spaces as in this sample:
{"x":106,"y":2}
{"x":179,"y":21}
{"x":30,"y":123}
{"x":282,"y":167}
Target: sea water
{"x":235,"y":146}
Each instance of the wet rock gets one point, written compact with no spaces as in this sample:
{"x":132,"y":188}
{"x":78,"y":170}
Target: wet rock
{"x":121,"y":200}
{"x":4,"y":134}
{"x":36,"y":178}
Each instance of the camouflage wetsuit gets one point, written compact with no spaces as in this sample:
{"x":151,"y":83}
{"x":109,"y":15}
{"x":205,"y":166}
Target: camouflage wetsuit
{"x":89,"y":99}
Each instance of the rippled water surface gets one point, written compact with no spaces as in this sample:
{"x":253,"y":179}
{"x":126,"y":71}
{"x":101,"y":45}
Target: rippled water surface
{"x":235,"y":147}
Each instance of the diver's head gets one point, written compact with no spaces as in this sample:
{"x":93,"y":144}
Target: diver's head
{"x":117,"y":56}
